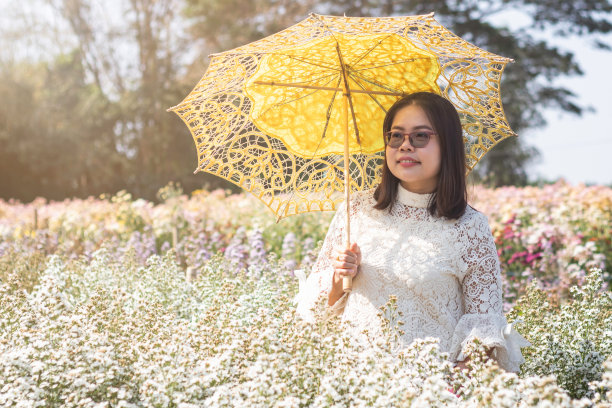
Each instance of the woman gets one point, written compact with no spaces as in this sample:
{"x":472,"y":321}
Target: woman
{"x":414,"y":237}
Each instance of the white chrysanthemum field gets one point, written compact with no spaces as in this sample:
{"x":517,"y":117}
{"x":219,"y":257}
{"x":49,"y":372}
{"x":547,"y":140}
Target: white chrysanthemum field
{"x":115,"y":302}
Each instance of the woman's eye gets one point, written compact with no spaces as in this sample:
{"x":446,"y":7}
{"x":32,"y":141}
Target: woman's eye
{"x":420,"y":135}
{"x":397,"y":135}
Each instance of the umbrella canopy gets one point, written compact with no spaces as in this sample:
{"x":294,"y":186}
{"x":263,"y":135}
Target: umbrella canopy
{"x":285,"y":116}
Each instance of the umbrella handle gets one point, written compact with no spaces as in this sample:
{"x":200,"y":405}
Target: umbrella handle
{"x":347,"y":284}
{"x":347,"y":281}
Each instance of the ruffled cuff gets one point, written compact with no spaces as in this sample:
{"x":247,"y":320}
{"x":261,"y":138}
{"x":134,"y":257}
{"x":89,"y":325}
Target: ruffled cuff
{"x":308,"y":296}
{"x":494,"y":332}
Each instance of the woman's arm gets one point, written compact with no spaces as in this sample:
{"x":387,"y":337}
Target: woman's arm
{"x":481,"y":286}
{"x":321,"y":281}
{"x":482,"y":298}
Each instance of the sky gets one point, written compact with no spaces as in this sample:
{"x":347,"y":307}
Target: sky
{"x":579,"y":149}
{"x":575,"y":148}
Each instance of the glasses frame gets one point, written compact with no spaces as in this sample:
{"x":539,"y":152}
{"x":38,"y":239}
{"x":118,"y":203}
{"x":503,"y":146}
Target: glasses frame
{"x":411,"y":136}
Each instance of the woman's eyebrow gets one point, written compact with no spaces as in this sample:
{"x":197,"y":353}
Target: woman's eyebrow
{"x":414,"y":128}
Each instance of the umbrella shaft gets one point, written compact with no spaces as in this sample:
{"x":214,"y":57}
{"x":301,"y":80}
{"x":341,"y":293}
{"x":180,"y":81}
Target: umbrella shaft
{"x":347,"y":284}
{"x":347,"y":175}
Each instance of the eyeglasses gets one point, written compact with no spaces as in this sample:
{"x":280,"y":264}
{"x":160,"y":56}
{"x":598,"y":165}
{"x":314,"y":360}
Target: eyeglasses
{"x":418,"y":138}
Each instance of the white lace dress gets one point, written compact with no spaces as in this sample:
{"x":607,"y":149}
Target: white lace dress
{"x":444,"y":273}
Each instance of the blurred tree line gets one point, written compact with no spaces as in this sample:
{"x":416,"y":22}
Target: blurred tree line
{"x":84,"y":109}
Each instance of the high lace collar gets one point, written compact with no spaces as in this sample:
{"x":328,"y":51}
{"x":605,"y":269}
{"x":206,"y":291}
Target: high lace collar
{"x":412,"y":199}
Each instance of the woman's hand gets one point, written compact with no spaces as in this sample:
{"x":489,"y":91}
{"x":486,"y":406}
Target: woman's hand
{"x":347,"y":262}
{"x":462,"y":365}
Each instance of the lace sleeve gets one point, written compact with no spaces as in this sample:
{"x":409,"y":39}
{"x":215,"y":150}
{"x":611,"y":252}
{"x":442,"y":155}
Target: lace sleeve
{"x":482,"y":299}
{"x":319,"y":282}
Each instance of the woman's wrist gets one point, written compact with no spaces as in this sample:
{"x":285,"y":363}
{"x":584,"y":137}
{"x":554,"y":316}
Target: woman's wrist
{"x":336,"y":291}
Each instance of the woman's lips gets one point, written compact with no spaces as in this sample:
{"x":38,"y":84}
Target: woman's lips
{"x":407,"y":162}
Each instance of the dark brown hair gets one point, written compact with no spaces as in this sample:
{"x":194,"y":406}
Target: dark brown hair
{"x":450,"y":197}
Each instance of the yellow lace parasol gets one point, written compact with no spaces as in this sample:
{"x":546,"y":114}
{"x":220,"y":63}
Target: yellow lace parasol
{"x":284,"y":116}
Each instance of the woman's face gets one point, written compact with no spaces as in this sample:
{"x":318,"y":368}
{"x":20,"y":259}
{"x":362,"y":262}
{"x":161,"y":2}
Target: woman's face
{"x":416,"y":168}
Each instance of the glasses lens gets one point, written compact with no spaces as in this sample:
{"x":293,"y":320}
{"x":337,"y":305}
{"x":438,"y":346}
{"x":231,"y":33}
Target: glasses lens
{"x":394,"y":139}
{"x":419,"y":139}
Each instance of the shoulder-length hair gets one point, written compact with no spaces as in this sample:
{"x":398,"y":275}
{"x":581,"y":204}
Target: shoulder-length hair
{"x":450,"y":196}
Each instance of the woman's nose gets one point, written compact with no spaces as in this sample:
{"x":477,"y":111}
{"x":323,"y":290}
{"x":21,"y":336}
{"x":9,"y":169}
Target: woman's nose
{"x":406,"y":146}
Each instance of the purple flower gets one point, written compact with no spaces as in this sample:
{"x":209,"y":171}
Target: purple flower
{"x":237,"y":252}
{"x":257,"y":252}
{"x":288,"y":251}
{"x":308,"y":253}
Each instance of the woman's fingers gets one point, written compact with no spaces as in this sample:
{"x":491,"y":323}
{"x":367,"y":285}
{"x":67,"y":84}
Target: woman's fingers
{"x":347,"y":255}
{"x":346,"y":262}
{"x":356,"y":251}
{"x":345,"y":265}
{"x":346,"y":272}
{"x":346,"y":258}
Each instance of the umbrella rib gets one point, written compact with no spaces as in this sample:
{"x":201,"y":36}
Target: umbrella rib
{"x":302,"y":84}
{"x":347,"y":92}
{"x":376,"y":83}
{"x":333,"y":74}
{"x":370,"y":50}
{"x":327,"y":119}
{"x":387,"y":64}
{"x":326,"y":27}
{"x":305,"y":61}
{"x":370,"y":95}
{"x":344,"y":72}
{"x":291,"y":100}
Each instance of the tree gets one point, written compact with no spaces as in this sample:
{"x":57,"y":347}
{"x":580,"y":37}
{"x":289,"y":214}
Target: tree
{"x":222,"y":27}
{"x":99,"y":114}
{"x":528,"y":84}
{"x":57,"y":132}
{"x":136,"y":62}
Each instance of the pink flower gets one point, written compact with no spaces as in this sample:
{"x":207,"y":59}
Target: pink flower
{"x":533,"y":257}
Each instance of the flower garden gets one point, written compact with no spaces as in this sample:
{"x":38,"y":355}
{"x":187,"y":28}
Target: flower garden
{"x":116,"y":302}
